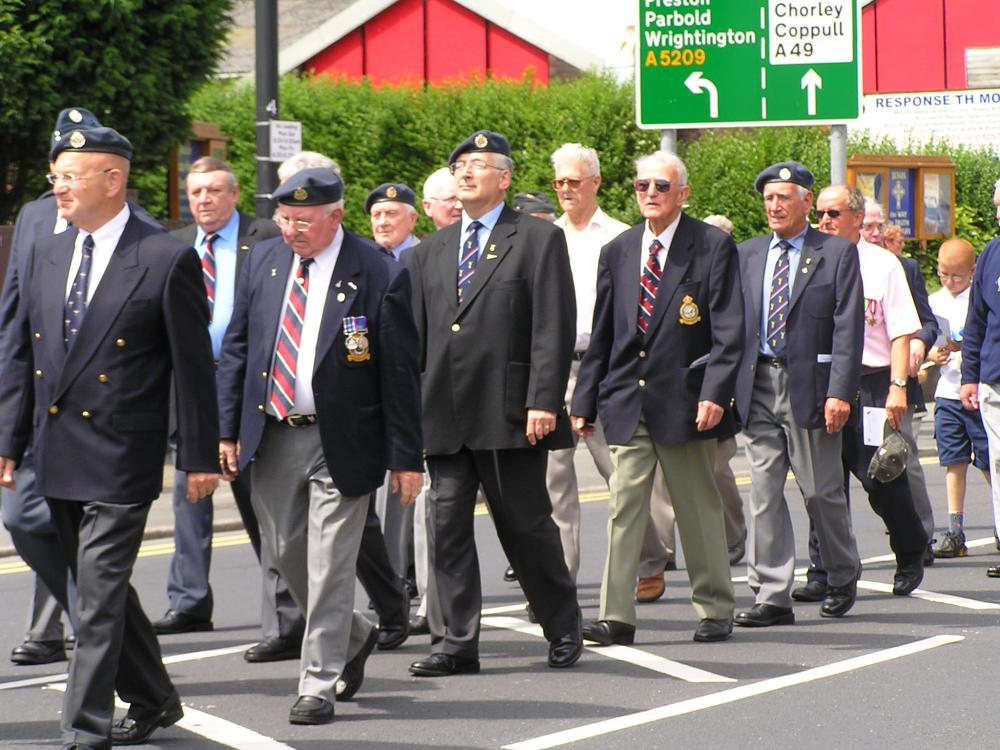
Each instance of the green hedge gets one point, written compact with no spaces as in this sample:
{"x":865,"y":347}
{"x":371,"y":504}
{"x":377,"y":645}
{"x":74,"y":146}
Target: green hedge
{"x":379,"y":134}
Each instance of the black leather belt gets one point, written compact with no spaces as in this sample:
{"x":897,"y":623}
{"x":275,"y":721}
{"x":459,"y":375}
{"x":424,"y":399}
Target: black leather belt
{"x":779,"y":362}
{"x":296,"y":420}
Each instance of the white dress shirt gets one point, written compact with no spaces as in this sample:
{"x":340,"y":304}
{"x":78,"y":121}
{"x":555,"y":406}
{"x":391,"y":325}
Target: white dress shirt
{"x":665,"y":237}
{"x":105,"y":241}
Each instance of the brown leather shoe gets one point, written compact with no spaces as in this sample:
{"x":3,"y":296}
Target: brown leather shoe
{"x":650,"y":589}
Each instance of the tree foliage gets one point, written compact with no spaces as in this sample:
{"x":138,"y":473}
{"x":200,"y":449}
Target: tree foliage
{"x":134,"y":63}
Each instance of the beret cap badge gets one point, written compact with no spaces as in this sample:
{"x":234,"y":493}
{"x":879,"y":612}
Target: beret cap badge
{"x":481,"y":141}
{"x":77,"y":139}
{"x":75,"y":115}
{"x":390,"y":191}
{"x":300,"y":194}
{"x":785,"y":173}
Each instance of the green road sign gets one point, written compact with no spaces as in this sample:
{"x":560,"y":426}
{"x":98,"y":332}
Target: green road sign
{"x":724,"y":63}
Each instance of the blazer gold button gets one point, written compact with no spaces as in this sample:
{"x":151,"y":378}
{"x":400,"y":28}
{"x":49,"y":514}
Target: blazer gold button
{"x":455,"y":327}
{"x":642,"y":383}
{"x":119,"y":343}
{"x":37,"y":335}
{"x":85,"y":414}
{"x":642,"y":354}
{"x":260,"y":407}
{"x":38,"y":373}
{"x":102,"y":378}
{"x":53,"y":409}
{"x":264,"y":374}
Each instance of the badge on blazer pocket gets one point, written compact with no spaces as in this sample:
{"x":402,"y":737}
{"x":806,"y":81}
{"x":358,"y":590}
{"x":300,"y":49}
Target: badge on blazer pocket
{"x":355,"y":331}
{"x":689,"y":314}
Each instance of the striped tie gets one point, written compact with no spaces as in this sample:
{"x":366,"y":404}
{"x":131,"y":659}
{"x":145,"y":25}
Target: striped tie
{"x":778,"y":302}
{"x":286,"y":353}
{"x":76,"y":302}
{"x":649,"y":283}
{"x":470,"y":256}
{"x":208,"y":271}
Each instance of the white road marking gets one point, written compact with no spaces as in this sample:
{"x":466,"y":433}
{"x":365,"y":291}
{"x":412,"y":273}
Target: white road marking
{"x":931,"y":596}
{"x":621,"y":653}
{"x":731,"y":695}
{"x":214,"y":729}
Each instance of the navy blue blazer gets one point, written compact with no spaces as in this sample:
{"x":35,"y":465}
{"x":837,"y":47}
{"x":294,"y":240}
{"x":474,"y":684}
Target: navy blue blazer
{"x":824,"y":327}
{"x":687,"y":355}
{"x":368,"y":412}
{"x":100,"y":409}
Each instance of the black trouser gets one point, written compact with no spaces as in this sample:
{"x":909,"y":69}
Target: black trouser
{"x":386,"y":589}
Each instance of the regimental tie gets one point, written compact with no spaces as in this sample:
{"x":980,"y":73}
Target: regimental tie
{"x":777,"y":310}
{"x":648,"y":284}
{"x":76,"y":302}
{"x":208,"y":271}
{"x":470,"y":256}
{"x":286,"y":353}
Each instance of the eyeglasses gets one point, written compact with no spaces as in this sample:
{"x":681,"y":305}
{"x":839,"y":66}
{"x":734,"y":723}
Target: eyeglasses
{"x":451,"y":200}
{"x":476,"y":165}
{"x":833,"y":213}
{"x":642,"y":186}
{"x":567,"y":183}
{"x":69,"y":178}
{"x":953,"y":276}
{"x":870,"y":225}
{"x":299,"y":225}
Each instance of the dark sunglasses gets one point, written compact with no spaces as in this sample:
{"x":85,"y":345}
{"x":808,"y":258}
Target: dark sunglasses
{"x":831,"y":212}
{"x":642,"y":186}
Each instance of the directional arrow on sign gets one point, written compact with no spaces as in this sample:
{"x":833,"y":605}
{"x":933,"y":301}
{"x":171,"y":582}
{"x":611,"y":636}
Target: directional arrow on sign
{"x":697,"y":84}
{"x":811,"y":81}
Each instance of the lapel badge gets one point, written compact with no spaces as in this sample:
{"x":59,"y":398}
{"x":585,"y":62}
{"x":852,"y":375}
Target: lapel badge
{"x":689,"y":313}
{"x":244,"y":248}
{"x":491,"y":254}
{"x":341,"y":297}
{"x":808,"y":261}
{"x":356,"y":341}
{"x":352,"y":285}
{"x":274,"y":272}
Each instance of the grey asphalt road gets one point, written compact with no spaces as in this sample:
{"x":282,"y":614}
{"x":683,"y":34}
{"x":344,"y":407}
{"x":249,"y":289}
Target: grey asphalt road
{"x":896,"y":673}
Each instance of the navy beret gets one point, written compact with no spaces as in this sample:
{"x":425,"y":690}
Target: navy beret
{"x":74,"y":118}
{"x":99,"y":139}
{"x":316,"y":186}
{"x":786,"y":171}
{"x":390,"y":191}
{"x":533,"y":203}
{"x":481,"y":140}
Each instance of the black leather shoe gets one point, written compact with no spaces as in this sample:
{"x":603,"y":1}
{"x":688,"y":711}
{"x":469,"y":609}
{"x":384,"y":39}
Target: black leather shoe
{"x":609,"y":633}
{"x":509,"y":575}
{"x":993,"y":571}
{"x":309,"y":709}
{"x":764,"y":616}
{"x":274,"y":648}
{"x":419,"y":626}
{"x":840,"y":599}
{"x":38,"y":652}
{"x":565,"y":651}
{"x":444,"y":665}
{"x":77,"y":746}
{"x":710,"y":631}
{"x":929,"y":555}
{"x":813,"y":591}
{"x":354,"y":670}
{"x":908,"y":577}
{"x":174,"y":622}
{"x":131,"y":730}
{"x":393,"y":636}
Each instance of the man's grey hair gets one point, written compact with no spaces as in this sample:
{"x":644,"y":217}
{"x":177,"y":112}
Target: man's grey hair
{"x":720,"y":221}
{"x":577,"y":153}
{"x":505,"y":162}
{"x":668,"y":159}
{"x":208,"y":164}
{"x":439,"y":177}
{"x":305,"y":160}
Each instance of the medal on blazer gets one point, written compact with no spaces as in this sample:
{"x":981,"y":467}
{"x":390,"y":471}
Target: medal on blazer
{"x":356,"y":342}
{"x":689,"y":313}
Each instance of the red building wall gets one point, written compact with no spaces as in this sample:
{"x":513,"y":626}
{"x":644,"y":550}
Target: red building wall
{"x":429,"y":40}
{"x":919,"y":45}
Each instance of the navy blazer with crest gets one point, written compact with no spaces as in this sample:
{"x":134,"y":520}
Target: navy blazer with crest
{"x":369,"y":411}
{"x":507,"y":348}
{"x":100,"y":409}
{"x":687,"y":355}
{"x":824,"y":325}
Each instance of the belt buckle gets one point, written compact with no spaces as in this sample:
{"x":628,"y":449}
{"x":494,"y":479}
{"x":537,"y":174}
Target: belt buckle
{"x":300,"y":420}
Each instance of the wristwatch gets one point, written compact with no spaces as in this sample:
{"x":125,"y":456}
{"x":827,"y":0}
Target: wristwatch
{"x":901,"y":382}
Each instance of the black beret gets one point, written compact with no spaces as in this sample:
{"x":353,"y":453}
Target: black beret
{"x":100,"y":139}
{"x":74,"y":118}
{"x":533,"y":203}
{"x":390,"y":191}
{"x":786,"y":171}
{"x":310,"y":187}
{"x":481,"y":140}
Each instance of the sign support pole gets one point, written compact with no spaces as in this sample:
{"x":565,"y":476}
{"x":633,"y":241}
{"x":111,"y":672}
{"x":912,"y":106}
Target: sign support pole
{"x":838,"y":154}
{"x":668,"y":140}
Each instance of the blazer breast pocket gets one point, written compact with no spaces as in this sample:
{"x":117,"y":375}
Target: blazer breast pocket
{"x":819,"y":301}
